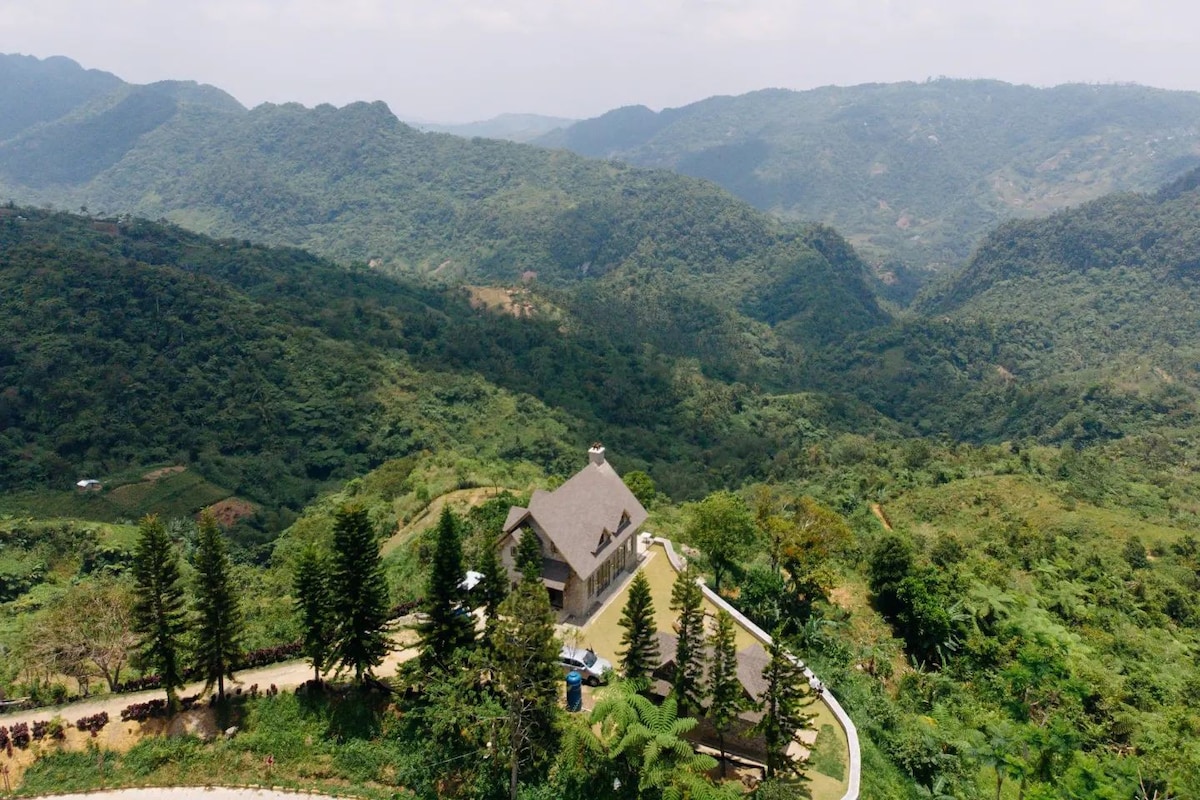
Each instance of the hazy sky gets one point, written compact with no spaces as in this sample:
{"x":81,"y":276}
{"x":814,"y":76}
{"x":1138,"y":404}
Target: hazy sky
{"x":458,"y":60}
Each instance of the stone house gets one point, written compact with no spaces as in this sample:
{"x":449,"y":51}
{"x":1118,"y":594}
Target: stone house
{"x":587,"y":528}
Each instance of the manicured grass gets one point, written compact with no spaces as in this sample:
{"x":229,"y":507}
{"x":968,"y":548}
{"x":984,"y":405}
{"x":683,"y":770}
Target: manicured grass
{"x":603,"y":633}
{"x":829,"y":753}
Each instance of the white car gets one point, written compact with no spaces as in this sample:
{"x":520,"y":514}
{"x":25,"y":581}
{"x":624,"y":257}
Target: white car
{"x":592,"y":667}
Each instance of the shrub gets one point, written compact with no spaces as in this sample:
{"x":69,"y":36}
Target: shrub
{"x":93,"y":724}
{"x":20,"y":735}
{"x":57,"y":729}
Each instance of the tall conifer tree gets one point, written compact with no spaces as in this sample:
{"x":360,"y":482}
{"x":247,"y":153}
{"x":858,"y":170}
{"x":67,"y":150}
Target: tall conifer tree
{"x":528,"y":676}
{"x":687,"y":600}
{"x":159,"y":612}
{"x":314,"y":604}
{"x":725,"y":690}
{"x":529,"y":557}
{"x":493,"y":587}
{"x":640,"y":654}
{"x":446,"y":628}
{"x":218,"y":616}
{"x":783,"y":702}
{"x":359,"y":593}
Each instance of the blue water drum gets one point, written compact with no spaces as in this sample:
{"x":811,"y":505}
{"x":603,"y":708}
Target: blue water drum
{"x":574,"y":691}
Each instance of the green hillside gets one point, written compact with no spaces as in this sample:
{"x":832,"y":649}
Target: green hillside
{"x":357,"y":185}
{"x":272,"y":372}
{"x":911,"y":172}
{"x":1080,"y":327}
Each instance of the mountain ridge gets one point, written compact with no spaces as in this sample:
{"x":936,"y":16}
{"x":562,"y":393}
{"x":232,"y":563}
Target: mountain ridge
{"x":357,"y":184}
{"x":900,"y":168}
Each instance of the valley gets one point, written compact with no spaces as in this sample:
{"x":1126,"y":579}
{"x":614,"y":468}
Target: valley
{"x":968,"y":498}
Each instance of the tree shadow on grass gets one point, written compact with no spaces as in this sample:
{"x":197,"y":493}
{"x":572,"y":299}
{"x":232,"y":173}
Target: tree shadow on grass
{"x":350,"y":712}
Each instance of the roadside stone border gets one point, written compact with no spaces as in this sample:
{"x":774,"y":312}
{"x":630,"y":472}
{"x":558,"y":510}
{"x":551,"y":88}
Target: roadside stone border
{"x":839,"y":713}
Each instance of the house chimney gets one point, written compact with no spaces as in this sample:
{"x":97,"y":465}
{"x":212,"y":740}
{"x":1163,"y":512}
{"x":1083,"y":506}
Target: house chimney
{"x":596,"y":454}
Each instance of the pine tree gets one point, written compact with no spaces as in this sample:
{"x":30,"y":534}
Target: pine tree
{"x":359,"y":593}
{"x":640,"y":655}
{"x":447,"y":628}
{"x":218,"y":616}
{"x":529,"y":557}
{"x":783,"y":702}
{"x":725,"y":690}
{"x":688,"y":683}
{"x":493,"y":587}
{"x":528,"y":676}
{"x":159,"y":614}
{"x":314,"y":604}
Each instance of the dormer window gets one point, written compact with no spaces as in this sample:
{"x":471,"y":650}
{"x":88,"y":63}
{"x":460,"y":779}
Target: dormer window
{"x":605,"y":538}
{"x":624,"y":521}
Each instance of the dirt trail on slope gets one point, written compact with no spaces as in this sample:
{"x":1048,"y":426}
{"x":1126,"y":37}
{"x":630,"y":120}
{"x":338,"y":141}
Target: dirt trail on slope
{"x":877,"y":510}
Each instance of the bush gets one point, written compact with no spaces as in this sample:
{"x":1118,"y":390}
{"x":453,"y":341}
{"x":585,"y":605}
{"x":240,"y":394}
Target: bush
{"x":93,"y":724}
{"x":139,"y":712}
{"x":57,"y":729}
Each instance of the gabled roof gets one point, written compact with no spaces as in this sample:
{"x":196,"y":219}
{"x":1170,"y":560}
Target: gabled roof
{"x":516,"y":515}
{"x":577,"y":514}
{"x":751,"y":662}
{"x":750,"y":665}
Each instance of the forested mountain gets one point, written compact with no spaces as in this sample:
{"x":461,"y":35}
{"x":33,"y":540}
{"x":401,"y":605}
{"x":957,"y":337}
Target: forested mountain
{"x":358,"y":185}
{"x":631,"y":258}
{"x":513,"y":127}
{"x":271,"y":372}
{"x":1078,"y":327}
{"x":33,"y":91}
{"x":915,"y":172}
{"x":1015,"y":619}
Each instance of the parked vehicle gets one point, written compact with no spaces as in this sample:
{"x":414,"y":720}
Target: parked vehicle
{"x":590,"y":666}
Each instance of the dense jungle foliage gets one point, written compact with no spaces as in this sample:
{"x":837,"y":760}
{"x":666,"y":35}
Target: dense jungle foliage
{"x":1011,"y":619}
{"x":1077,"y":328}
{"x":911,"y":172}
{"x":272,"y":372}
{"x":977,"y":521}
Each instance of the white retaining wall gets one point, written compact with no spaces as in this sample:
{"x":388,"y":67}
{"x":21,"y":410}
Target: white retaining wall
{"x":839,"y":713}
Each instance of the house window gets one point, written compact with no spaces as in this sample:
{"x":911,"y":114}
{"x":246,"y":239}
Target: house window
{"x":624,"y":521}
{"x":605,"y":538}
{"x":591,"y":586}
